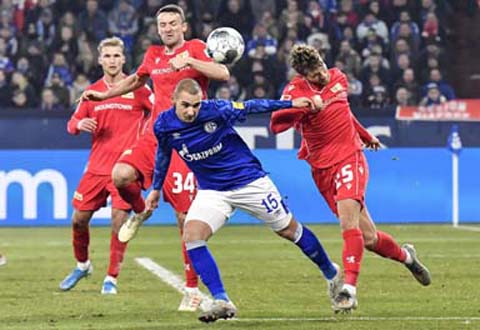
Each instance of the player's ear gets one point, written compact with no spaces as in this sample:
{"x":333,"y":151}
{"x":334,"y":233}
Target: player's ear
{"x":184,"y":27}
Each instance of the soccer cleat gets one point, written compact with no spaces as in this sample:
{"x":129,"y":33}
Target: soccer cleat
{"x":344,"y":302}
{"x":3,"y":260}
{"x":418,"y":270}
{"x":335,"y":284}
{"x":109,"y":287}
{"x":130,"y":228}
{"x":191,"y":300}
{"x":220,"y":309}
{"x":74,"y":277}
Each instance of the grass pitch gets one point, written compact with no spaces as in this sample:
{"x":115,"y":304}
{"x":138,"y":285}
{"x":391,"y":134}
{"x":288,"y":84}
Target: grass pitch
{"x":273,"y":285}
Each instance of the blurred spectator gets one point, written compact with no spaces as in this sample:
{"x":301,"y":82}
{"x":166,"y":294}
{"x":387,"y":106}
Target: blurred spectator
{"x":6,"y":63}
{"x":10,"y":40}
{"x":49,"y":102}
{"x":59,"y":66}
{"x":351,"y":15}
{"x":123,"y":23}
{"x":409,"y":82}
{"x":320,"y":42}
{"x":259,"y":8}
{"x":69,"y":19}
{"x":93,"y":21}
{"x":270,"y":23}
{"x":237,"y":92}
{"x":5,"y":90}
{"x":292,"y":18}
{"x":37,"y":61}
{"x":79,"y":85}
{"x":378,"y":99}
{"x":57,"y":85}
{"x":445,"y":88}
{"x":348,"y":55}
{"x":261,"y":38}
{"x":434,"y":96}
{"x":404,"y":18}
{"x":430,"y":26}
{"x":223,"y":92}
{"x":236,"y":14}
{"x":316,"y":20}
{"x":19,"y":83}
{"x":86,"y":61}
{"x":402,"y":63}
{"x":45,"y":27}
{"x":374,"y":66}
{"x":355,"y":90}
{"x":403,"y":97}
{"x":19,"y":100}
{"x":371,"y":24}
{"x":66,"y":43}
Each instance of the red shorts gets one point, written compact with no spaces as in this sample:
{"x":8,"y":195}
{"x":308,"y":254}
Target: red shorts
{"x":92,"y":193}
{"x":345,"y":180}
{"x":180,"y":185}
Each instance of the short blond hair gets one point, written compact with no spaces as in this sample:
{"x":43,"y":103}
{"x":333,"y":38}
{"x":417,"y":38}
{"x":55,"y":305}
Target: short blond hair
{"x":111,"y":42}
{"x":188,"y":85}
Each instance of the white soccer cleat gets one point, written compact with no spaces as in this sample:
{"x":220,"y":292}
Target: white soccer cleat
{"x":130,"y":228}
{"x":3,"y":260}
{"x":344,"y":302}
{"x":191,"y":300}
{"x":220,"y":309}
{"x":335,"y":284}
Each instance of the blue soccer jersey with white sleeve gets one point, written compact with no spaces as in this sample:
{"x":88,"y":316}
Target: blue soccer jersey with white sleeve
{"x":209,"y":145}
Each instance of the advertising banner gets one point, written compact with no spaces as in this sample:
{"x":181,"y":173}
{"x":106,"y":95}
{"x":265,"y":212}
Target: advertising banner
{"x":455,"y":110}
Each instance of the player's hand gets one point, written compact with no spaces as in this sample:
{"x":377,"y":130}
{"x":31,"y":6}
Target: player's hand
{"x":88,"y":125}
{"x":303,"y":102}
{"x":179,"y":62}
{"x":92,"y":95}
{"x":373,"y":144}
{"x":317,"y":103}
{"x":151,"y":203}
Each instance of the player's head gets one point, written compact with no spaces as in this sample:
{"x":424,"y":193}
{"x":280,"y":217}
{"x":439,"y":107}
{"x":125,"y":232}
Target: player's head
{"x":187,"y":99}
{"x":111,"y":56}
{"x":307,"y":61}
{"x":171,"y":25}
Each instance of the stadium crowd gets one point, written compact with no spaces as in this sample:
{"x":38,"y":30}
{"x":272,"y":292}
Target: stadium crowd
{"x":393,"y":51}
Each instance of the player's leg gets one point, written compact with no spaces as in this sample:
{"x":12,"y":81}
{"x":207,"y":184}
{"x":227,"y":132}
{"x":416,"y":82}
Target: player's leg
{"x":132,"y":173}
{"x":81,"y":241}
{"x":384,"y":245}
{"x":310,"y":245}
{"x":207,"y":214}
{"x":117,"y":251}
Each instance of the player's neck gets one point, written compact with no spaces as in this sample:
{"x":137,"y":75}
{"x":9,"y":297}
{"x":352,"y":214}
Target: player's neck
{"x":110,"y":81}
{"x":173,"y":48}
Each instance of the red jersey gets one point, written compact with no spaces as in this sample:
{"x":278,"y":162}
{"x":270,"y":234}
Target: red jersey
{"x":328,"y":136}
{"x":119,"y":122}
{"x":165,"y":79}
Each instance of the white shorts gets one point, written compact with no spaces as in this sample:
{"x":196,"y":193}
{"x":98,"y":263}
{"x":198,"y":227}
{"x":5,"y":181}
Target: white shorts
{"x":259,"y":198}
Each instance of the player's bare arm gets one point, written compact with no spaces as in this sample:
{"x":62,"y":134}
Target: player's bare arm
{"x":127,"y":85}
{"x":153,"y":198}
{"x":210,"y":69}
{"x":374,"y":144}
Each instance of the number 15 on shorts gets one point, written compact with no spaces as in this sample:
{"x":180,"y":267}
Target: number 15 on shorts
{"x":271,"y":203}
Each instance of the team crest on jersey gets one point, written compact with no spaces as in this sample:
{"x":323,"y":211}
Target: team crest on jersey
{"x":176,"y":135}
{"x":336,"y":88}
{"x":210,"y":127}
{"x":157,"y":60}
{"x":129,"y":95}
{"x":184,"y":54}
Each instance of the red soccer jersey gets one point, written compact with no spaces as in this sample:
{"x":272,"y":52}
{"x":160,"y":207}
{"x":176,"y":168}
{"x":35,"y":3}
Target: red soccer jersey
{"x":165,"y":79}
{"x":119,"y":122}
{"x":328,"y":136}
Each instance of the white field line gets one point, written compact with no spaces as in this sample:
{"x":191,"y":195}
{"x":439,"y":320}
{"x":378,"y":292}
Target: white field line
{"x":468,"y":228}
{"x":466,"y":319}
{"x":169,"y":278}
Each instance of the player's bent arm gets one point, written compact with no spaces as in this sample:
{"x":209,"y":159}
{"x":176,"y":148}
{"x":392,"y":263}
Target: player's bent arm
{"x":80,"y":113}
{"x":365,"y":135}
{"x":211,"y":70}
{"x":129,"y":84}
{"x":285,"y":119}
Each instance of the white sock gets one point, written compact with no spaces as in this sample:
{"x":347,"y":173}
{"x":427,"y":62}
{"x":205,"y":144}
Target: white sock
{"x":408,"y":259}
{"x":350,"y":288}
{"x":83,"y":266}
{"x":109,"y":278}
{"x":190,"y":290}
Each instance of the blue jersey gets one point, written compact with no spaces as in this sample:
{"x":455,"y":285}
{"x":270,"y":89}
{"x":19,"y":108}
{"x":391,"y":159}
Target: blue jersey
{"x":210,"y":146}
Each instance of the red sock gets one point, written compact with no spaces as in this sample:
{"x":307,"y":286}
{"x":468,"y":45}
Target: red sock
{"x":388,"y":248}
{"x":352,"y":254}
{"x":117,"y":251}
{"x":191,"y":277}
{"x":81,"y":240}
{"x":132,"y":194}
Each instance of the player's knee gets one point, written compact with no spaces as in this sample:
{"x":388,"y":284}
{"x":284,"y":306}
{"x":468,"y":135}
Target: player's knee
{"x":80,"y":221}
{"x":290,"y":232}
{"x":122,"y":175}
{"x":369,"y":239}
{"x":180,"y":219}
{"x":196,"y":230}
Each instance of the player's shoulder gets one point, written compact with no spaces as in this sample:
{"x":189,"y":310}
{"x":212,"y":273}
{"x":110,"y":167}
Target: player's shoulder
{"x":196,"y":43}
{"x":336,"y":73}
{"x":154,"y":50}
{"x":298,"y":83}
{"x":98,"y":85}
{"x":165,"y":120}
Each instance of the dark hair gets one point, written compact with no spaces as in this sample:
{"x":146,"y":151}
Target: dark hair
{"x":304,"y":58}
{"x":171,"y":9}
{"x":188,"y":85}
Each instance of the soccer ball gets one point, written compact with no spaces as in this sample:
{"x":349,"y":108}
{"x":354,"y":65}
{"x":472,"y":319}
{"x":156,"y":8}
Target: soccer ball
{"x":225,"y":45}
